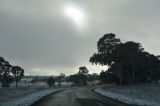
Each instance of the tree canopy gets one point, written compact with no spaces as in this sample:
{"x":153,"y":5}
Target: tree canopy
{"x":51,"y":81}
{"x":9,"y":73}
{"x":128,"y":62}
{"x":18,"y":73}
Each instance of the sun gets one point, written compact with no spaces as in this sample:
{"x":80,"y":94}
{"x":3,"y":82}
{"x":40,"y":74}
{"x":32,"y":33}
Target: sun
{"x":75,"y":13}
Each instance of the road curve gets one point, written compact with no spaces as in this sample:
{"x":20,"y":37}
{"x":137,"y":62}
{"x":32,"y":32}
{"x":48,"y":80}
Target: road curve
{"x":82,"y":96}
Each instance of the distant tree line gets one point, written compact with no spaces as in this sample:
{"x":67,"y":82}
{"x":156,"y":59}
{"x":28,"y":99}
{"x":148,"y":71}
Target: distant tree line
{"x":82,"y":76}
{"x":128,"y":62}
{"x":9,"y":73}
{"x":77,"y":79}
{"x":59,"y":79}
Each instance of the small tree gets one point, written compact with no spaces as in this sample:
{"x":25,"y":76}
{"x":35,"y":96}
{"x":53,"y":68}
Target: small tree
{"x":60,"y":78}
{"x":51,"y":81}
{"x":18,"y":74}
{"x":83,"y":71}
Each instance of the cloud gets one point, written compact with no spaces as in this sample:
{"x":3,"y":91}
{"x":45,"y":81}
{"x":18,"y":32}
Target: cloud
{"x":36,"y":35}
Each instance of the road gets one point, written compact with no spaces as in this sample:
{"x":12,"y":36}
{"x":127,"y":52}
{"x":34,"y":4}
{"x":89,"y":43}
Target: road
{"x":82,"y":96}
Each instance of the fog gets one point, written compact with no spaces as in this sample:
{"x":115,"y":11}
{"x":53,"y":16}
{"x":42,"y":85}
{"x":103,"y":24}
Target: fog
{"x":44,"y":38}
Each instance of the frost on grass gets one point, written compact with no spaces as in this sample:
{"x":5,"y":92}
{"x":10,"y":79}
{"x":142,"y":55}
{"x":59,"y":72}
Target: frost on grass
{"x":143,"y":94}
{"x":25,"y":95}
{"x":29,"y":98}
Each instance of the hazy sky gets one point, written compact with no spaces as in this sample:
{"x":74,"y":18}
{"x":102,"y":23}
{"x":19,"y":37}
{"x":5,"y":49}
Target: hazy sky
{"x":54,"y":36}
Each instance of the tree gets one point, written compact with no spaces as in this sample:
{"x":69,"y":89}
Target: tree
{"x":128,"y":62}
{"x":103,"y":76}
{"x":75,"y":79}
{"x":18,"y":74}
{"x":60,"y":78}
{"x":106,"y":45}
{"x":82,"y":74}
{"x":92,"y":77}
{"x":5,"y":75}
{"x":7,"y":72}
{"x":1,"y":68}
{"x":123,"y":56}
{"x":51,"y":81}
{"x":148,"y":66}
{"x":83,"y":70}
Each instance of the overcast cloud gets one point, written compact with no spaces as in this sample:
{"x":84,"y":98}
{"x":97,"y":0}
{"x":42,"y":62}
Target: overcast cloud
{"x":38,"y":36}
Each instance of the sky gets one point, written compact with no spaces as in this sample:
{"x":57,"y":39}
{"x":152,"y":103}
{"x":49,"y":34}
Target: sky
{"x":49,"y":37}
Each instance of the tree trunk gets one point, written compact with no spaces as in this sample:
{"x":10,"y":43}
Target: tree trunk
{"x":120,"y":74}
{"x":59,"y":84}
{"x":16,"y":84}
{"x":133,"y":75}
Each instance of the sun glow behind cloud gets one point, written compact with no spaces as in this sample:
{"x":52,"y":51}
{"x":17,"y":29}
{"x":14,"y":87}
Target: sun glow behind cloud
{"x":76,"y":14}
{"x":68,"y":41}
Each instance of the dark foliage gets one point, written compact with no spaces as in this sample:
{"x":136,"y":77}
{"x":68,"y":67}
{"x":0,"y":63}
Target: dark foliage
{"x":128,"y":62}
{"x":60,"y":78}
{"x":82,"y":74}
{"x":51,"y":81}
{"x":18,"y":74}
{"x":92,"y":77}
{"x":81,"y":77}
{"x":9,"y":73}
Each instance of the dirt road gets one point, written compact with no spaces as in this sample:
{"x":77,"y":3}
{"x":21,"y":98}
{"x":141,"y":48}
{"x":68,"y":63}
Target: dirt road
{"x":82,"y":96}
